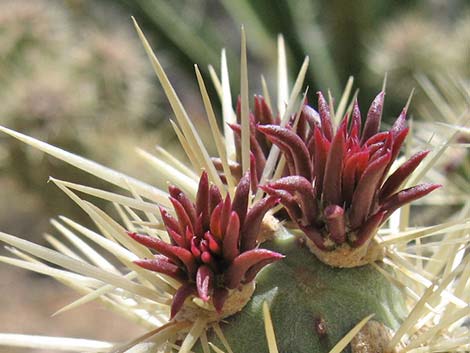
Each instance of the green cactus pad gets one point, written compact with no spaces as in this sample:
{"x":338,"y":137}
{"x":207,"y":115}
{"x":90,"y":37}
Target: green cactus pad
{"x":301,"y":291}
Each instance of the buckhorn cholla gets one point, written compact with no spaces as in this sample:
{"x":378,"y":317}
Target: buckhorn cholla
{"x":209,"y":253}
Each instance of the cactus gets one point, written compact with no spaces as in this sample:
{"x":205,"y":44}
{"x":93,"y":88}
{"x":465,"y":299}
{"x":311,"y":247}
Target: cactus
{"x":217,"y":258}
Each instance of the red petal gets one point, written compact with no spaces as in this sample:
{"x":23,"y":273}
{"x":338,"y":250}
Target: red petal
{"x":161,"y":264}
{"x":368,"y":230}
{"x":334,"y":216}
{"x":236,"y":272}
{"x":333,"y":168}
{"x":254,"y":174}
{"x":305,"y":192}
{"x":374,"y":115}
{"x":325,"y":117}
{"x":322,"y":146}
{"x":170,"y":221}
{"x":315,"y":235}
{"x":295,"y":145}
{"x":175,"y":253}
{"x":231,"y":240}
{"x":406,"y":196}
{"x":180,"y":296}
{"x":202,"y":199}
{"x":204,"y":282}
{"x":215,"y":221}
{"x":395,"y":180}
{"x":254,"y":217}
{"x":287,"y":200}
{"x":213,"y":243}
{"x":183,"y":217}
{"x":349,"y":174}
{"x":225,"y":215}
{"x":240,"y":200}
{"x":356,"y":120}
{"x":188,"y":206}
{"x":219,"y":298}
{"x":366,"y":189}
{"x":214,"y":197}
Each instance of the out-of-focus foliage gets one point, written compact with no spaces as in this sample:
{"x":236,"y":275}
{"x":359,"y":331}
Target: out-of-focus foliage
{"x":419,"y":44}
{"x":76,"y":76}
{"x":342,"y":39}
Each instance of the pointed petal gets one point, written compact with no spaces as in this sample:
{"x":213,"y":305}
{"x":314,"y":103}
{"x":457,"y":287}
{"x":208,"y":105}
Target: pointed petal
{"x":333,"y":169}
{"x":368,"y":230}
{"x":374,"y":116}
{"x":225,"y":212}
{"x":240,"y":200}
{"x":254,"y":217}
{"x":204,"y":282}
{"x":231,"y":240}
{"x":254,"y":270}
{"x":240,"y":265}
{"x":254,"y":175}
{"x":394,"y":181}
{"x":334,"y":216}
{"x":188,"y":206}
{"x":294,"y":143}
{"x":161,"y":264}
{"x":183,"y":292}
{"x":304,"y":190}
{"x":169,"y":221}
{"x":356,"y":120}
{"x":183,"y":217}
{"x":215,"y":221}
{"x":219,"y":298}
{"x":315,"y":235}
{"x":349,"y":174}
{"x":214,"y":197}
{"x":287,"y":200}
{"x":322,"y":146}
{"x":174,"y":253}
{"x":406,"y":196}
{"x":202,"y":199}
{"x":366,"y":190}
{"x":325,"y":117}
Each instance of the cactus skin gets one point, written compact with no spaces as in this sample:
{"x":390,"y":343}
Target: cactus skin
{"x":300,"y":291}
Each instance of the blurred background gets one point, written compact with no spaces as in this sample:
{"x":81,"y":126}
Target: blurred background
{"x":73,"y":73}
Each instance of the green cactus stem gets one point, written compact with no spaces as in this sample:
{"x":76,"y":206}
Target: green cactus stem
{"x":312,"y":304}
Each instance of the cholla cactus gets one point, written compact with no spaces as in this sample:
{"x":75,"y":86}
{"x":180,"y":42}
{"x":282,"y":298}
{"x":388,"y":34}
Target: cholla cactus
{"x":418,"y":302}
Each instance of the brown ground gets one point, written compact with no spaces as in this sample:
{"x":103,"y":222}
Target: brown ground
{"x":28,"y":300}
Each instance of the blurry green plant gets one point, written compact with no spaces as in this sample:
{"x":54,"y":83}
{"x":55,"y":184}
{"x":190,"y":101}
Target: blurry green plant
{"x":420,"y":44}
{"x":72,"y":80}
